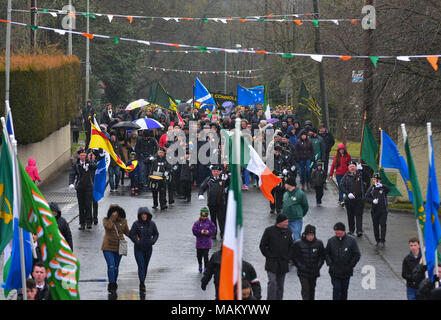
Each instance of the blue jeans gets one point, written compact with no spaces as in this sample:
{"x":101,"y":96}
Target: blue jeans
{"x":340,"y":193}
{"x":412,"y":293}
{"x":142,"y":259}
{"x":245,"y":177}
{"x":113,"y":259}
{"x":305,"y":173}
{"x":114,"y":176}
{"x":296,"y":228}
{"x":340,"y":288}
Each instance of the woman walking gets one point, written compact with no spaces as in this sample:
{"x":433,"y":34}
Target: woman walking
{"x":115,"y":226}
{"x":144,"y":235}
{"x":340,"y":164}
{"x":203,"y":229}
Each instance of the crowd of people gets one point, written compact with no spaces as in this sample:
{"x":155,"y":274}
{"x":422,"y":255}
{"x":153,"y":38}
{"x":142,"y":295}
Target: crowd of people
{"x":298,"y":150}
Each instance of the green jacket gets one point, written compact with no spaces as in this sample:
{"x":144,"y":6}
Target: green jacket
{"x":295,"y":204}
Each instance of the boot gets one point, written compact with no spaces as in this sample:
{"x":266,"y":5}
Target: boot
{"x":111,"y":288}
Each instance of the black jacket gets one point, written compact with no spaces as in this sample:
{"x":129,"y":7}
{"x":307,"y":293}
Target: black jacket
{"x":186,"y":172}
{"x":213,"y":270}
{"x":146,"y":147}
{"x":409,"y":264}
{"x":82,"y":178}
{"x":160,"y":166}
{"x":348,"y":185}
{"x":342,"y":254}
{"x":308,"y":257}
{"x":377,"y":193}
{"x":63,"y":226}
{"x":304,"y":150}
{"x":146,"y":231}
{"x":277,"y":246}
{"x":318,"y":178}
{"x":43,"y":294}
{"x":214,"y":187}
{"x":328,"y":140}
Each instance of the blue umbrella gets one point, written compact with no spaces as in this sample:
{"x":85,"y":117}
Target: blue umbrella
{"x":148,"y":124}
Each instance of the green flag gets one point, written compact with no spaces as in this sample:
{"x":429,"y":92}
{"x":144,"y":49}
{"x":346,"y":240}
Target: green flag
{"x":6,"y":195}
{"x":308,"y":101}
{"x":163,"y":99}
{"x":369,"y":154}
{"x":62,"y":265}
{"x":418,"y":205}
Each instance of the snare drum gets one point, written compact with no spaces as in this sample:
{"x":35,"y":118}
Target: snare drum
{"x":155,"y":177}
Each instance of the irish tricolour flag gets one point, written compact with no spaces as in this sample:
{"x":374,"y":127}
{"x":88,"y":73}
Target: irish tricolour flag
{"x":231,"y":264}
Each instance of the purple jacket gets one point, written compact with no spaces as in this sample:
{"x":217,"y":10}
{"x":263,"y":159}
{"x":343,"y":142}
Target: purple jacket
{"x":203,"y":241}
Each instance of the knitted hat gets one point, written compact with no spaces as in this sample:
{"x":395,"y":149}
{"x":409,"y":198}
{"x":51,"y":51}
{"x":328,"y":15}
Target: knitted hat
{"x":309,"y":229}
{"x":340,"y":226}
{"x":291,"y":180}
{"x":204,"y":212}
{"x":280,"y":218}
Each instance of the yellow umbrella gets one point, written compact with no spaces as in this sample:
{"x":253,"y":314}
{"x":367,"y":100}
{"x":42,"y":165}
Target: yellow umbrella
{"x":137,"y":104}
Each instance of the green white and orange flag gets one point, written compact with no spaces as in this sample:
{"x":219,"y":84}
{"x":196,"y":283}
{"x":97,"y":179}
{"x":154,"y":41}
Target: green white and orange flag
{"x":62,"y":266}
{"x":251,"y":161}
{"x":99,"y":140}
{"x":231,"y":264}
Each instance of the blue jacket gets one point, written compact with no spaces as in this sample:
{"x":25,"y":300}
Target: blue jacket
{"x":292,"y":137}
{"x":144,"y":234}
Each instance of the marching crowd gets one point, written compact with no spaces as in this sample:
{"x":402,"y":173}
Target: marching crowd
{"x":299,"y":150}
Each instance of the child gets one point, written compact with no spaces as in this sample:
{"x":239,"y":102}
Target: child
{"x":318,"y":179}
{"x":203,"y":229}
{"x":32,"y":171}
{"x":134,"y":175}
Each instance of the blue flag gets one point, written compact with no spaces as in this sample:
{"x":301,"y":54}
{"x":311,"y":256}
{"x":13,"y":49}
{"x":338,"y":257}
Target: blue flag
{"x":202,"y":97}
{"x":259,"y":93}
{"x":245,"y":97}
{"x":390,"y":157}
{"x":432,"y":230}
{"x":13,"y":265}
{"x":99,"y":184}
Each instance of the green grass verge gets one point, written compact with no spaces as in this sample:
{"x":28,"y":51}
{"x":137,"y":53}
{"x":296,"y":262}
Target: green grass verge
{"x":352,"y":147}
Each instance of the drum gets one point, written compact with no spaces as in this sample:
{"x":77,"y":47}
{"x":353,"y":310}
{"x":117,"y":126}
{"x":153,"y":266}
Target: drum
{"x":155,"y":177}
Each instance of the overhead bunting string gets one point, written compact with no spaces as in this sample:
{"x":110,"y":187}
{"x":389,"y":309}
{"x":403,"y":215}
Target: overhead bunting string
{"x":431,"y":58}
{"x":284,"y":18}
{"x":203,"y":71}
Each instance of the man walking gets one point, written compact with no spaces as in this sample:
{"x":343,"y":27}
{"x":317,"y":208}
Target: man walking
{"x":308,"y":257}
{"x":352,"y":187}
{"x":295,"y":206}
{"x":342,"y":254}
{"x":409,"y":264}
{"x":276,"y":246}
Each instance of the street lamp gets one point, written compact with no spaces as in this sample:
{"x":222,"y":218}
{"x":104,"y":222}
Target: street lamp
{"x":237,"y":46}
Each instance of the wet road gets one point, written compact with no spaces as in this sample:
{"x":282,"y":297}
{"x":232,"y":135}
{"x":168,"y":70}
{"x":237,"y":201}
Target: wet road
{"x":173,"y":270}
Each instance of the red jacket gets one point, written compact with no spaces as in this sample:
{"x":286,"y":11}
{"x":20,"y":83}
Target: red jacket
{"x":31,"y":169}
{"x":344,"y":162}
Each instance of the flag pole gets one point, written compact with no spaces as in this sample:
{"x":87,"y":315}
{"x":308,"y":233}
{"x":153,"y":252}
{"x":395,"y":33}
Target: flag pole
{"x":236,"y":162}
{"x":8,"y":55}
{"x":420,"y":233}
{"x":429,"y":143}
{"x":362,"y":134}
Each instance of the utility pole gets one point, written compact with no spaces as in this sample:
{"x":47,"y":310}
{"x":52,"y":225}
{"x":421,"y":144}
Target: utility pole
{"x":318,"y":50}
{"x":69,"y":46}
{"x":225,"y":74}
{"x":87,"y":56}
{"x":368,"y":90}
{"x":34,"y":23}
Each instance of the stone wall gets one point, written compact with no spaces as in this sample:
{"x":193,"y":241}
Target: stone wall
{"x":51,"y":154}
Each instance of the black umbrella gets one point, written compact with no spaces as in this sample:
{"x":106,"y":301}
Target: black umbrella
{"x":126,"y":125}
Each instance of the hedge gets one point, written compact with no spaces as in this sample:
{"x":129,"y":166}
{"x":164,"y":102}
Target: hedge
{"x":44,"y":94}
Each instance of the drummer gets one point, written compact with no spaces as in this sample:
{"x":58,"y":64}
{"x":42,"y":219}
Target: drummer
{"x":158,"y":175}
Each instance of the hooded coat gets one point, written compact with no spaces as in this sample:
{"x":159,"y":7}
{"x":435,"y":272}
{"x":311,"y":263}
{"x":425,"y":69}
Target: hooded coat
{"x":292,"y":136}
{"x":342,"y":167}
{"x":144,"y":234}
{"x":63,"y":226}
{"x":203,"y":241}
{"x":31,"y":169}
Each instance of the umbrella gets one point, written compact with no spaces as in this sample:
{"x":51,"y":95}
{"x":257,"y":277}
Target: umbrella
{"x":137,"y":104}
{"x":126,"y":125}
{"x":272,"y":120}
{"x":147,"y":124}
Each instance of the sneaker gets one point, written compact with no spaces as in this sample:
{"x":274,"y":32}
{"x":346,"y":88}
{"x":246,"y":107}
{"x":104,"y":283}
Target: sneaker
{"x":200,"y":268}
{"x":155,"y":206}
{"x":112,"y":190}
{"x":342,"y":204}
{"x":244,"y":187}
{"x":350,"y":233}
